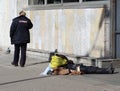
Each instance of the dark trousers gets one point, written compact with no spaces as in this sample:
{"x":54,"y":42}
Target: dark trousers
{"x":94,"y":70}
{"x":17,"y":49}
{"x":89,"y":69}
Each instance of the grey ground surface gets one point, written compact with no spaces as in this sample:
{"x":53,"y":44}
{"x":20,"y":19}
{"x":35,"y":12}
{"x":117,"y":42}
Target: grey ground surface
{"x":28,"y":78}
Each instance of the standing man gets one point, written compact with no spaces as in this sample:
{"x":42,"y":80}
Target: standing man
{"x":20,"y":36}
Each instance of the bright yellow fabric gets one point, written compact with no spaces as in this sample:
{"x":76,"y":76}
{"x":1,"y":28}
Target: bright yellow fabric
{"x":57,"y":61}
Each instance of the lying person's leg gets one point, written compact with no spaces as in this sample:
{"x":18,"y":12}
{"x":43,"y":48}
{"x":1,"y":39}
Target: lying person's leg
{"x":96,"y":70}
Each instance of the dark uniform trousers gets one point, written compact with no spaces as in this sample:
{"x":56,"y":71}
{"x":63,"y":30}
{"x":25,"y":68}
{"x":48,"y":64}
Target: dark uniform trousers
{"x":20,"y":48}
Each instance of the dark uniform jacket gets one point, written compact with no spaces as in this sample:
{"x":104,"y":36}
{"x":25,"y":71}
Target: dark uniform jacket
{"x":19,"y":30}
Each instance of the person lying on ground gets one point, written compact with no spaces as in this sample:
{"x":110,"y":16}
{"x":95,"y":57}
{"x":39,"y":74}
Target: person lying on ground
{"x":61,"y":65}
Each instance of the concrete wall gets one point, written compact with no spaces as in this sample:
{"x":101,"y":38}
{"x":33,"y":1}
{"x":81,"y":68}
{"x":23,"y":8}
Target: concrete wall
{"x":74,"y":31}
{"x":9,"y":9}
{"x":7,"y":12}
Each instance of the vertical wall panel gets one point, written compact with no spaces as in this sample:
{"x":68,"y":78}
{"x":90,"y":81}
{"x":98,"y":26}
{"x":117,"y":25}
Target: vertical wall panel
{"x":75,"y":31}
{"x":7,"y":13}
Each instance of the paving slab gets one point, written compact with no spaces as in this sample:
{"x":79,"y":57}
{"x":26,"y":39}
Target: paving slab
{"x":28,"y":78}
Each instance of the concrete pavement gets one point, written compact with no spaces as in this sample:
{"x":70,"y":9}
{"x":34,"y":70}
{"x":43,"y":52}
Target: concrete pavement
{"x":28,"y":79}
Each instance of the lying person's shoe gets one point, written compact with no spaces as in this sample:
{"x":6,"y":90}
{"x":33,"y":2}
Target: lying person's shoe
{"x":111,"y":69}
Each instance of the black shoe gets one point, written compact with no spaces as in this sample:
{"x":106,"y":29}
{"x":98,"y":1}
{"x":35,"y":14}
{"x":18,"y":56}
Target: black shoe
{"x":14,"y":64}
{"x":111,"y":70}
{"x":49,"y":72}
{"x":22,"y":66}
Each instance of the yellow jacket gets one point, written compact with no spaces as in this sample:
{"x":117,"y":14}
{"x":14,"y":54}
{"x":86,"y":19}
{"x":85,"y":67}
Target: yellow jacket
{"x":57,"y":62}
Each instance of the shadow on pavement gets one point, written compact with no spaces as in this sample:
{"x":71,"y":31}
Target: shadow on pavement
{"x":28,"y":79}
{"x":37,"y":63}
